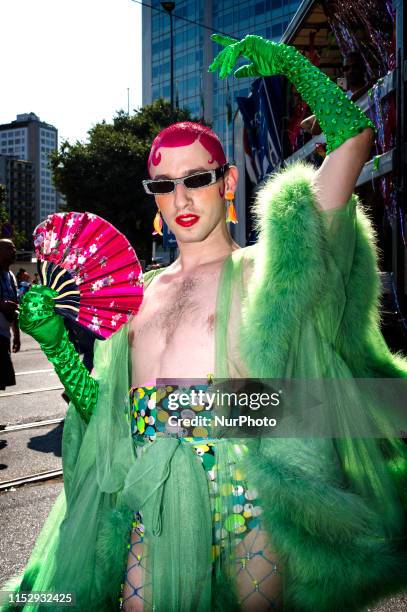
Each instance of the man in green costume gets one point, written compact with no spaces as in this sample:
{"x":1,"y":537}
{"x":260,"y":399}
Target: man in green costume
{"x":302,"y":303}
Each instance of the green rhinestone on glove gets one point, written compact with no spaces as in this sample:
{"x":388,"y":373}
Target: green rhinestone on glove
{"x":338,"y":117}
{"x":39,"y":319}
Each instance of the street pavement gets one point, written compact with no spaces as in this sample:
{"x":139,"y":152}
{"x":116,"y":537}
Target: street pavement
{"x":23,"y":510}
{"x":36,"y":397}
{"x":22,"y":514}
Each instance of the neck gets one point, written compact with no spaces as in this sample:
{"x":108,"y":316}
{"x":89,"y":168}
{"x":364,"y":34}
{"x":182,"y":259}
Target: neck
{"x":216,"y":246}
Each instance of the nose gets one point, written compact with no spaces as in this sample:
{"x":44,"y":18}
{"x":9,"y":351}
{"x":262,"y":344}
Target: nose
{"x":181,"y":197}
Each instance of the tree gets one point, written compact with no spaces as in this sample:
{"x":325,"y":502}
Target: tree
{"x":7,"y":230}
{"x":104,"y":176}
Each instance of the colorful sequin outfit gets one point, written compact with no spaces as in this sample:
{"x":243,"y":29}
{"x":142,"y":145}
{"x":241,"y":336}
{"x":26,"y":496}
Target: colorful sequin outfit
{"x":149,"y":419}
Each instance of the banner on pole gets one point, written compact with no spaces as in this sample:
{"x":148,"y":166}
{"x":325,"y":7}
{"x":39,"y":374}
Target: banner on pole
{"x":262,"y":114}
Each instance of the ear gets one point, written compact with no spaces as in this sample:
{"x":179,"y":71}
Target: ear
{"x":231,"y":178}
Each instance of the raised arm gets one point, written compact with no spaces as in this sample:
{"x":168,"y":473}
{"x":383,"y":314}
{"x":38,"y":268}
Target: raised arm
{"x":348,"y":132}
{"x":39,"y":319}
{"x":335,"y":180}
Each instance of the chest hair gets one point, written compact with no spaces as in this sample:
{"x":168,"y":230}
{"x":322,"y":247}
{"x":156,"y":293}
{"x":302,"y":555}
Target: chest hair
{"x":181,"y":307}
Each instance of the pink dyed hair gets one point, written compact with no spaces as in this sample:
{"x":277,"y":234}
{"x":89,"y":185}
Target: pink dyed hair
{"x":183,"y":134}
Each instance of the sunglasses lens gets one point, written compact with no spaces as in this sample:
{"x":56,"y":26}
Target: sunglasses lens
{"x":160,"y":187}
{"x":198,"y":180}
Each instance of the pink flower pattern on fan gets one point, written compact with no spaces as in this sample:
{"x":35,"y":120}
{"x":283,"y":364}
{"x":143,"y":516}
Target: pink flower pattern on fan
{"x":102,"y":263}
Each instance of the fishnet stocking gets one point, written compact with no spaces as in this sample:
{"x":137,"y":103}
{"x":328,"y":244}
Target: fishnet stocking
{"x":258,"y":573}
{"x":136,"y":578}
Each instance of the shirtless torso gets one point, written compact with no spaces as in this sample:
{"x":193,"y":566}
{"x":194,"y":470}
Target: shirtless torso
{"x":172,"y":335}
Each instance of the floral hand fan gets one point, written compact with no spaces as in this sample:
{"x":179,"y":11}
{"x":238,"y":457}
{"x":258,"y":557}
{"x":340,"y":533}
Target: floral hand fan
{"x":92,"y":267}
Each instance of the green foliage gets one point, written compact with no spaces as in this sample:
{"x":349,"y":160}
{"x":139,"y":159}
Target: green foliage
{"x":104,"y":175}
{"x":6,"y":229}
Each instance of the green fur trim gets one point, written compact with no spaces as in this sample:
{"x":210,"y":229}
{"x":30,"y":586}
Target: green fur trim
{"x":368,"y":355}
{"x":322,"y":505}
{"x":290,"y":264}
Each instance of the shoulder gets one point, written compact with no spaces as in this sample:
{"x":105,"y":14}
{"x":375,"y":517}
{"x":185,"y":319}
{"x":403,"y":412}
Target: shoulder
{"x":244,"y":260}
{"x":150,"y":276}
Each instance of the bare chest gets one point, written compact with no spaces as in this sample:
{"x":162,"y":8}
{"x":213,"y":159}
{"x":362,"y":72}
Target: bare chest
{"x":173,"y":333}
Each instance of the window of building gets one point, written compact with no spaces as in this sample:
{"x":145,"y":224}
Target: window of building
{"x":277,"y":29}
{"x":259,"y":8}
{"x":227,"y":20}
{"x":244,"y":14}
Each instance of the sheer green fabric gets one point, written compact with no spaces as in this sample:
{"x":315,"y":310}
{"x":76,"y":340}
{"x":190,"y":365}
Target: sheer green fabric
{"x":82,"y":548}
{"x":302,"y":303}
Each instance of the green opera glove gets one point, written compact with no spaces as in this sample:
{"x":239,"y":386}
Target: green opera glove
{"x":39,"y":319}
{"x":338,"y":117}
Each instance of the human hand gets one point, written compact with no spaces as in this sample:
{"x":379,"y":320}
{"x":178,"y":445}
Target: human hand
{"x":16,"y":342}
{"x":8,"y":308}
{"x":260,"y":51}
{"x":38,"y":317}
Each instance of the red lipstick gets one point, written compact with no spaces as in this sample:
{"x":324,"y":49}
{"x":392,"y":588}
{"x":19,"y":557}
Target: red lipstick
{"x":187,"y":220}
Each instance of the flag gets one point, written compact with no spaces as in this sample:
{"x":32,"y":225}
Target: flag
{"x":262,"y":114}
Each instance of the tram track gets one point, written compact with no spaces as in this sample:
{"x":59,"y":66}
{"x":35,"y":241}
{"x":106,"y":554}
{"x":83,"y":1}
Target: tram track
{"x":22,"y":426}
{"x":37,"y":478}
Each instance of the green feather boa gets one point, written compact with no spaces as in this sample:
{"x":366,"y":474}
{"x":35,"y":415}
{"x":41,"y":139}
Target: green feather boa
{"x":335,"y":509}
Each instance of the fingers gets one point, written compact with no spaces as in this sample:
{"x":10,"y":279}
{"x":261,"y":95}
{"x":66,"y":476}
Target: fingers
{"x":246,"y":71}
{"x":224,"y":40}
{"x":226,"y":60}
{"x":218,"y":61}
{"x":229,"y":64}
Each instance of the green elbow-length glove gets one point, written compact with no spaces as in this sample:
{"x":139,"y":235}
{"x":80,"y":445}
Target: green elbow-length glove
{"x":39,"y":319}
{"x":338,"y":117}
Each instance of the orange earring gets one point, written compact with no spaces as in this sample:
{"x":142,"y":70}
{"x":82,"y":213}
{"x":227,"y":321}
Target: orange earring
{"x":158,"y":224}
{"x":231,"y":214}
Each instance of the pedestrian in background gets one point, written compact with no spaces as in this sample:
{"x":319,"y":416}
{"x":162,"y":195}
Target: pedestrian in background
{"x":8,"y":309}
{"x":19,"y":276}
{"x":24,"y":284}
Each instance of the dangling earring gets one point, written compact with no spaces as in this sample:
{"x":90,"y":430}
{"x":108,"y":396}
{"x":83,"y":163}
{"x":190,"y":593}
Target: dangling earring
{"x":231,"y":216}
{"x":158,"y":224}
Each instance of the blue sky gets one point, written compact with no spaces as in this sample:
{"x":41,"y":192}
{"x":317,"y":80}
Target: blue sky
{"x":69,"y":61}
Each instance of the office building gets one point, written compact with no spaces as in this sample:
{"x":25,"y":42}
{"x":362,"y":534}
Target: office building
{"x":194,"y":21}
{"x":30,"y":139}
{"x":18,"y":177}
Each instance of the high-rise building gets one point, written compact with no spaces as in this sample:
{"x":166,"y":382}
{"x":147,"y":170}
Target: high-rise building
{"x":194,"y":21}
{"x":18,"y":177}
{"x":30,"y":139}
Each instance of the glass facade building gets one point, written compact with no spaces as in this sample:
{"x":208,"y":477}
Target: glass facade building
{"x":193,"y":23}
